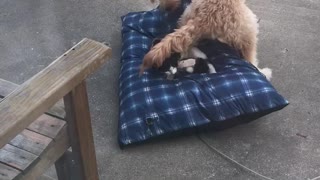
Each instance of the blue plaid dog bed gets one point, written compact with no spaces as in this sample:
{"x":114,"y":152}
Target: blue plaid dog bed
{"x":152,"y":106}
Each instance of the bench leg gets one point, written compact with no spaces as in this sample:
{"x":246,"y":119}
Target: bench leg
{"x":67,"y":168}
{"x":80,"y":132}
{"x":62,"y":167}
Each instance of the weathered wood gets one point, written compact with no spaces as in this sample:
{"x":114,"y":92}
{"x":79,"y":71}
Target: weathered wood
{"x":30,"y":141}
{"x":47,"y":125}
{"x":30,"y":100}
{"x":16,"y":157}
{"x":8,"y":173}
{"x":7,"y":87}
{"x":53,"y":152}
{"x":62,"y":167}
{"x":67,"y":168}
{"x":80,"y":131}
{"x":45,"y":177}
{"x":57,"y":110}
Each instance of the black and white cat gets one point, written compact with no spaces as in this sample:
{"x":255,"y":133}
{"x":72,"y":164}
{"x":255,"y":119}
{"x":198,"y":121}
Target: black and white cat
{"x":178,"y":65}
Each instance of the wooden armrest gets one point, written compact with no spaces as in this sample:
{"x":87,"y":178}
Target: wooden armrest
{"x":38,"y":94}
{"x":7,"y":87}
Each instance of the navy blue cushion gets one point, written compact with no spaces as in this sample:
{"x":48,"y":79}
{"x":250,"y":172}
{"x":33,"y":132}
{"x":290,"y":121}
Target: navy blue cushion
{"x":152,"y":106}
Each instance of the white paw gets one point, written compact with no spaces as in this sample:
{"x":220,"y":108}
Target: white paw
{"x":186,"y":63}
{"x":267,"y":72}
{"x":197,"y":53}
{"x":173,"y":70}
{"x":212,"y":69}
{"x":189,"y":69}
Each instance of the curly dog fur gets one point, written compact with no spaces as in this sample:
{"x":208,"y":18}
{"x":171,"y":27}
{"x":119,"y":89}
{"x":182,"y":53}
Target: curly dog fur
{"x":229,"y":21}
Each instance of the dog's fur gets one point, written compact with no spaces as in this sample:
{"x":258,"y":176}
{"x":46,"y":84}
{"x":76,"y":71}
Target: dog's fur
{"x":229,"y":21}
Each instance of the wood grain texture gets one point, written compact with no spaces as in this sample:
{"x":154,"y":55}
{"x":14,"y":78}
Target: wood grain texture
{"x":16,"y":157}
{"x":57,"y":110}
{"x":8,"y":173}
{"x":7,"y":87}
{"x":47,"y":125}
{"x":30,"y":141}
{"x":30,"y":100}
{"x":80,"y":132}
{"x":52,"y":154}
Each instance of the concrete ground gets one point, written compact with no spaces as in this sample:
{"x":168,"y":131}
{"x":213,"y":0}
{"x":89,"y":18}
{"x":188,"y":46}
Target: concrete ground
{"x":283,"y":145}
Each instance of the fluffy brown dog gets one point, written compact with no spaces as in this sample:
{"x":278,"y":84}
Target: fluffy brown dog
{"x":229,"y":21}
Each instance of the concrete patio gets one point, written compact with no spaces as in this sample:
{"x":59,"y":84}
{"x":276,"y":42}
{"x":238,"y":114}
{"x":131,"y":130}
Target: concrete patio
{"x":283,"y":145}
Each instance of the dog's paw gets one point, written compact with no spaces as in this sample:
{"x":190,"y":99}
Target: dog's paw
{"x":187,"y":63}
{"x":267,"y":72}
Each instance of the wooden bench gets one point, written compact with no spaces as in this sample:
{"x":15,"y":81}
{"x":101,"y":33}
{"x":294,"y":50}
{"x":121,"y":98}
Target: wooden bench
{"x":37,"y":128}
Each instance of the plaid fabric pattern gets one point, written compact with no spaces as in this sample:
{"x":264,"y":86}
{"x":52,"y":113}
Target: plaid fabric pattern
{"x":151,"y":106}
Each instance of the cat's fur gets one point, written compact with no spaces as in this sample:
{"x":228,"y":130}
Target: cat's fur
{"x":178,"y":65}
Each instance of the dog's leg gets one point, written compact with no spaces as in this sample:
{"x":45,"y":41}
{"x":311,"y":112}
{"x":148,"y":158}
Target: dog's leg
{"x":248,"y":50}
{"x":249,"y":53}
{"x":247,"y":44}
{"x":178,"y":41}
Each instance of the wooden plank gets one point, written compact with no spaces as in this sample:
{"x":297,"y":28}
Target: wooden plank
{"x":8,"y":173}
{"x":30,"y":100}
{"x":57,"y":110}
{"x":47,"y":125}
{"x":55,"y":150}
{"x":45,"y":177}
{"x":16,"y":157}
{"x":80,"y":132}
{"x":30,"y":141}
{"x":7,"y":87}
{"x":67,"y":168}
{"x":62,"y":167}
